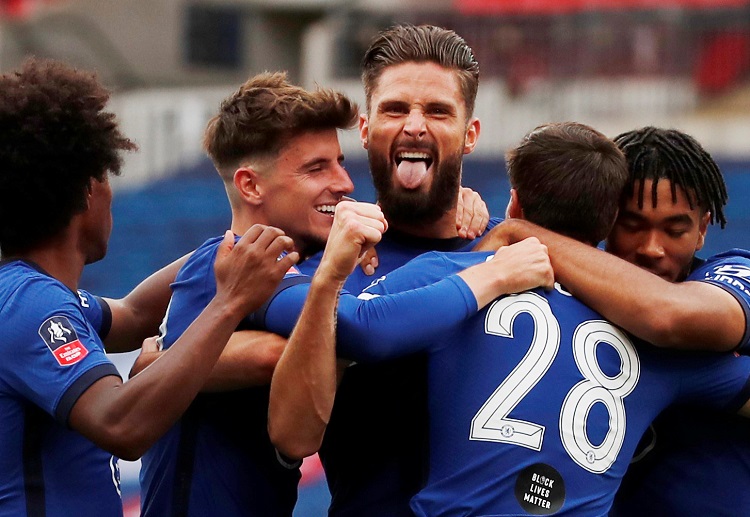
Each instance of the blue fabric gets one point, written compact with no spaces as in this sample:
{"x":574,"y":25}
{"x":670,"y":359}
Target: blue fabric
{"x":51,"y":355}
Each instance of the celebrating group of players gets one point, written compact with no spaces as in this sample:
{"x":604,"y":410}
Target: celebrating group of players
{"x":427,"y":388}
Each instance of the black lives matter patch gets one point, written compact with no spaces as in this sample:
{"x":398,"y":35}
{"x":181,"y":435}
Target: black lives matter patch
{"x":540,"y":489}
{"x":62,"y":340}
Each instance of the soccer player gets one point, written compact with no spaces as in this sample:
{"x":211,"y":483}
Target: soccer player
{"x":537,"y":403}
{"x":67,"y":416}
{"x":420,"y":85}
{"x":674,"y":190}
{"x":276,"y":148}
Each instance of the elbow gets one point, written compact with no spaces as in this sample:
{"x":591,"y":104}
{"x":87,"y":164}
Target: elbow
{"x":290,"y":444}
{"x":126,"y":444}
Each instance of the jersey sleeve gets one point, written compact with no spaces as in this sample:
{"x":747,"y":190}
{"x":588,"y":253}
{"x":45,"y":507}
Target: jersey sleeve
{"x":97,"y":311}
{"x":730,"y":271}
{"x":375,"y":327}
{"x":57,"y":354}
{"x":717,"y":380}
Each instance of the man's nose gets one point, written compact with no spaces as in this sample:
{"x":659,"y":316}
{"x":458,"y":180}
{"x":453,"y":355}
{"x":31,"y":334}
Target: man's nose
{"x":415,"y":125}
{"x":651,"y":246}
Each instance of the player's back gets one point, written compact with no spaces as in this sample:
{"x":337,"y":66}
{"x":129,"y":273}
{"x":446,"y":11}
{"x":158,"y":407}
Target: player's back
{"x":537,"y":404}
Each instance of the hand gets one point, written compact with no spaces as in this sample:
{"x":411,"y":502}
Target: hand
{"x":150,"y":352}
{"x":472,"y":215}
{"x":499,"y":236}
{"x":369,"y":262}
{"x":357,"y":227}
{"x":248,"y":271}
{"x":524,"y":265}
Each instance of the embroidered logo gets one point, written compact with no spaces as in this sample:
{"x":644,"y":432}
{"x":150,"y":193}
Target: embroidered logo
{"x":62,"y":340}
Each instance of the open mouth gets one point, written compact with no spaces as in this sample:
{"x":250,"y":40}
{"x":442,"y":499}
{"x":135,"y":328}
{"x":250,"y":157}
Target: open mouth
{"x":413,"y":157}
{"x":412,"y":168}
{"x":328,"y":210}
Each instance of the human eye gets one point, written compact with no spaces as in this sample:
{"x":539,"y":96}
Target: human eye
{"x":676,"y":232}
{"x":394,"y":108}
{"x":629,"y":224}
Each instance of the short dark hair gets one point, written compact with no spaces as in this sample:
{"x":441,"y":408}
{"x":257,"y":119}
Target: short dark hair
{"x":54,"y":138}
{"x":265,"y":113}
{"x":420,"y":43}
{"x":656,"y":153}
{"x":569,"y":178}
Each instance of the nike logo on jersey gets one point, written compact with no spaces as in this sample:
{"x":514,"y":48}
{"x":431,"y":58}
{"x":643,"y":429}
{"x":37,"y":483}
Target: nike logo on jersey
{"x":62,"y":340}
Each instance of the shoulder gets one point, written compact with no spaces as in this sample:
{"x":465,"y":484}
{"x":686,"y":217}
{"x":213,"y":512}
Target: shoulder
{"x":730,"y":269}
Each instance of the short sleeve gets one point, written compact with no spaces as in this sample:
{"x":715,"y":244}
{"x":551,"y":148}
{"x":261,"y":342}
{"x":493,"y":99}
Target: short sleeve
{"x":51,"y":353}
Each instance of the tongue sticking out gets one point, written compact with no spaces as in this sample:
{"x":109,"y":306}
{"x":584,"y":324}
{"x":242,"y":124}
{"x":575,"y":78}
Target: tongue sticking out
{"x":411,"y":174}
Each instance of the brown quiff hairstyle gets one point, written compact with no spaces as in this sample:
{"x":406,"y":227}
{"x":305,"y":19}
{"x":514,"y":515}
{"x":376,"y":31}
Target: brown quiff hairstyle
{"x":422,"y":43}
{"x":569,"y":178}
{"x":265,"y":113}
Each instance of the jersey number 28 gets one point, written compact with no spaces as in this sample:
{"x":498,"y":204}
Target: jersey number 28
{"x":491,"y":423}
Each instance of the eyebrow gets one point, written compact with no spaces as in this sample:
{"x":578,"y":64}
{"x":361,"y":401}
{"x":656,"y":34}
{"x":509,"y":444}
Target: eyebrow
{"x":672,"y":219}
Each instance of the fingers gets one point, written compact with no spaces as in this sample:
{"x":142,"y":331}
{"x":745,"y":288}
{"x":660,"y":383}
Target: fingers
{"x":150,"y":344}
{"x":472,"y":214}
{"x":369,"y":261}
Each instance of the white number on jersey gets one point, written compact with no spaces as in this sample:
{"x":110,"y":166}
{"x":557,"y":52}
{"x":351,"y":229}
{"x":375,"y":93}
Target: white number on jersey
{"x":491,"y":423}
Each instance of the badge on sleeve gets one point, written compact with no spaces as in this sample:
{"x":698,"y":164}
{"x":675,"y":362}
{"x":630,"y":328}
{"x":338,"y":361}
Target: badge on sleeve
{"x":62,"y":340}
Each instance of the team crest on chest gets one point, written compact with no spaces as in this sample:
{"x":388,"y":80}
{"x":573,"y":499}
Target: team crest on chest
{"x":62,"y":340}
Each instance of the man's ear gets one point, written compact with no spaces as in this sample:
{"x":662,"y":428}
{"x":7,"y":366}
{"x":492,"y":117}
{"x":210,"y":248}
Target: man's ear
{"x":363,"y":129}
{"x":514,"y":209}
{"x":246,"y":182}
{"x":702,"y":229}
{"x":472,"y":135}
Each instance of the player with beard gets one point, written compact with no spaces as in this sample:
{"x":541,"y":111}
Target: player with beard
{"x":525,"y":431}
{"x":420,"y":85}
{"x":275,"y":146}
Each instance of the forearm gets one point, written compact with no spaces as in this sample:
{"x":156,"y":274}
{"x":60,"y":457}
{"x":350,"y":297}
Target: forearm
{"x":304,"y":383}
{"x":398,"y":324}
{"x":248,"y":359}
{"x":679,"y":315}
{"x":127,"y":418}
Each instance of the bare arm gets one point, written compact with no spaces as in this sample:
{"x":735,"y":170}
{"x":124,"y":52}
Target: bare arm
{"x":126,"y":419}
{"x":138,"y":315}
{"x":304,"y":383}
{"x":687,"y":315}
{"x":248,"y":359}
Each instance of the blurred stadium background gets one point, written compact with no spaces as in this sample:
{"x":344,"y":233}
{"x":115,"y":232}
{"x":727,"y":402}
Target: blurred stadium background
{"x":614,"y":64}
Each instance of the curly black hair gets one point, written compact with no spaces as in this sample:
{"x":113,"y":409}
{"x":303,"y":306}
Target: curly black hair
{"x":656,"y":153}
{"x":54,"y":138}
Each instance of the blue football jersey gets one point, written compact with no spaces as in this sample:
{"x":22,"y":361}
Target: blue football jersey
{"x":51,"y":355}
{"x":699,"y":460}
{"x":219,"y":459}
{"x":536,"y":404}
{"x":374,"y":450}
{"x":97,"y":312}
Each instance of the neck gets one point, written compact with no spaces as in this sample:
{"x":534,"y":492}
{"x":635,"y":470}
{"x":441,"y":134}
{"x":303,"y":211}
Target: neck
{"x":241,"y":223}
{"x":443,"y":228}
{"x":60,"y":260}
